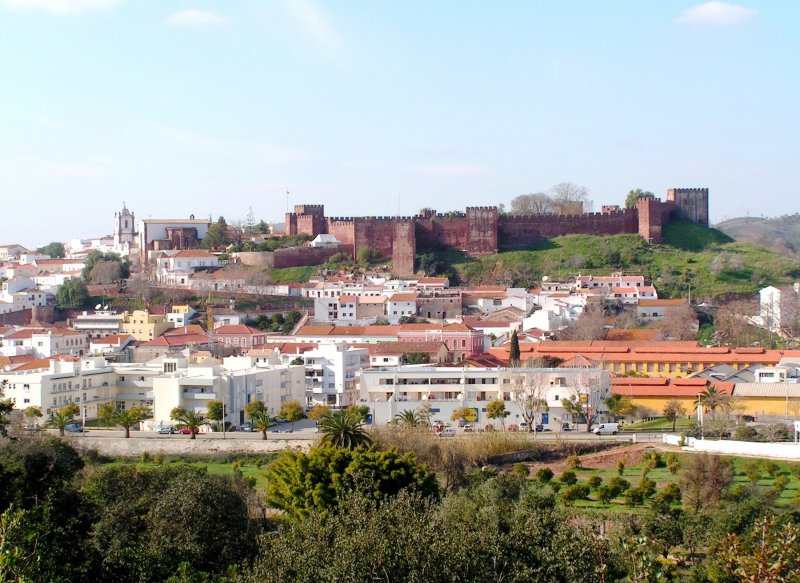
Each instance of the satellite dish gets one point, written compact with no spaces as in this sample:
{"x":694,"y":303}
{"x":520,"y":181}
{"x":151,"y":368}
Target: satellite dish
{"x":105,"y":307}
{"x":98,"y":306}
{"x":545,"y":278}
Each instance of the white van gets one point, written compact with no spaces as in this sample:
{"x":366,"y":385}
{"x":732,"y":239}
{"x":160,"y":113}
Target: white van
{"x":606,"y":428}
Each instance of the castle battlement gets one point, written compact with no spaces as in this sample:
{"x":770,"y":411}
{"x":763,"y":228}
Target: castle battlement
{"x":482,"y":230}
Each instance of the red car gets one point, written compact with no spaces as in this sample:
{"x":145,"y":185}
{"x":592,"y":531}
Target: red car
{"x":187,"y":431}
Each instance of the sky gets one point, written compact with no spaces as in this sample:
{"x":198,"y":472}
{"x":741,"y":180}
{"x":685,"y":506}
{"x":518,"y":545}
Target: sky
{"x":179,"y":107}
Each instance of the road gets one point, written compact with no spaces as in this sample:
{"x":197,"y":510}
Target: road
{"x":304,"y":431}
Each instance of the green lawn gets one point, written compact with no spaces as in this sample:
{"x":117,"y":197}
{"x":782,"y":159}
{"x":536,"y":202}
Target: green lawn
{"x":248,"y":465}
{"x":663,"y":477}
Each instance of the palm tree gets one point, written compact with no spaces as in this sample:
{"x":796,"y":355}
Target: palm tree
{"x":127,"y":418}
{"x":409,"y":419}
{"x":260,"y":415}
{"x":343,"y":428}
{"x":191,"y":420}
{"x":712,"y":400}
{"x":63,"y":417}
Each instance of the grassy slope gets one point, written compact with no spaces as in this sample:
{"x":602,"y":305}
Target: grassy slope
{"x":684,"y":257}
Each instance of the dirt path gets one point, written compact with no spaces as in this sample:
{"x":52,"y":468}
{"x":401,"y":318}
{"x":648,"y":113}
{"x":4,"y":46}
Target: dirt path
{"x":632,"y":454}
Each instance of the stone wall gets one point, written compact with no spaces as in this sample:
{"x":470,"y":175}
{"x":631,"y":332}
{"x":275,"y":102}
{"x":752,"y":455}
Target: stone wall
{"x":289,"y":256}
{"x":515,"y":232}
{"x":177,"y":445}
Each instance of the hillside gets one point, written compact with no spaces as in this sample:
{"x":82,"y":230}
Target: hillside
{"x":707,"y":259}
{"x":781,"y":234}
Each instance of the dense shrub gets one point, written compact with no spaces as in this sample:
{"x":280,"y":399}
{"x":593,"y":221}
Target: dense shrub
{"x":568,"y":478}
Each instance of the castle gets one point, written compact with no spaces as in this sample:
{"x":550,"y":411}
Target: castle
{"x":483,"y":231}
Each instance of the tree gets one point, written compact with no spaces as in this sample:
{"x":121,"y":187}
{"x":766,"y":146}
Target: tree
{"x":417,"y":357}
{"x":769,"y":553}
{"x":570,"y":199}
{"x":150,"y":520}
{"x":299,"y":483}
{"x":528,"y":393}
{"x":105,"y":411}
{"x":127,"y":418}
{"x":105,"y":273}
{"x":461,"y":414}
{"x":619,"y":406}
{"x":188,"y":419}
{"x":704,"y":480}
{"x":360,"y":411}
{"x":32,"y":414}
{"x":55,"y":250}
{"x":672,"y":410}
{"x":712,"y":399}
{"x":64,"y":416}
{"x":497,"y":410}
{"x":590,"y":325}
{"x":72,"y":294}
{"x":343,"y":429}
{"x":634,"y":195}
{"x":95,"y":257}
{"x":6,"y":406}
{"x":217,"y":235}
{"x":537,"y":203}
{"x":214,"y":412}
{"x":677,"y":324}
{"x":318,"y":412}
{"x":366,"y":256}
{"x":583,"y":402}
{"x":291,"y":411}
{"x":513,"y":350}
{"x":260,"y":415}
{"x":409,"y":419}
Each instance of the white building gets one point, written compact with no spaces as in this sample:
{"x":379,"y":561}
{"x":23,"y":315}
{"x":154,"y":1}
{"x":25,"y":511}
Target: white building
{"x":779,"y":307}
{"x":332,"y":372}
{"x":20,"y":293}
{"x":44,"y":342}
{"x":236,"y":382}
{"x":392,"y":390}
{"x":99,"y":324}
{"x":161,"y":385}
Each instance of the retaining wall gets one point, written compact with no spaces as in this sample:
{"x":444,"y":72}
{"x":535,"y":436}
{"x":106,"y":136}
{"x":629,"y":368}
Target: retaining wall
{"x":175,"y":445}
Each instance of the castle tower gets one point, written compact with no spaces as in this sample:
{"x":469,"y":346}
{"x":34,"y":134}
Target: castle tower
{"x":124,"y":228}
{"x":691,"y":204}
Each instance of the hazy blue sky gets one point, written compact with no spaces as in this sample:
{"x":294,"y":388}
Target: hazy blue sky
{"x":371,"y":107}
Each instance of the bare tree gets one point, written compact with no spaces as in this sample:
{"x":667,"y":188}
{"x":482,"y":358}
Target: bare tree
{"x":570,"y":199}
{"x":591,"y":325}
{"x":529,"y":394}
{"x":141,"y":287}
{"x":537,"y":203}
{"x":105,"y":273}
{"x":585,"y":397}
{"x":677,"y":324}
{"x":733,"y":323}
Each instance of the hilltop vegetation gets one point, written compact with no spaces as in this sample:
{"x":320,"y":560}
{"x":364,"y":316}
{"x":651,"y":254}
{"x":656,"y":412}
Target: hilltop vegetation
{"x":707,"y":259}
{"x":781,"y":234}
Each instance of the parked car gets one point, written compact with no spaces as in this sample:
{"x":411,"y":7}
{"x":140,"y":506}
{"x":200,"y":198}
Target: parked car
{"x":523,"y":426}
{"x":187,"y":431}
{"x":449,"y":432}
{"x":468,"y":428}
{"x":73,"y":428}
{"x":539,"y":428}
{"x":247,"y":427}
{"x":165,"y":429}
{"x":565,"y":427}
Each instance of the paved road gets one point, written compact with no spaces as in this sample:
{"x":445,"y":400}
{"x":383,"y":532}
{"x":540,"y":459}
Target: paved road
{"x":305,"y":431}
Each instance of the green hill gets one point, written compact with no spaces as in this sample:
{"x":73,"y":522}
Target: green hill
{"x":781,"y":234}
{"x":707,"y":259}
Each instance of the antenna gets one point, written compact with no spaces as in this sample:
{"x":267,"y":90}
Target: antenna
{"x":287,"y":202}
